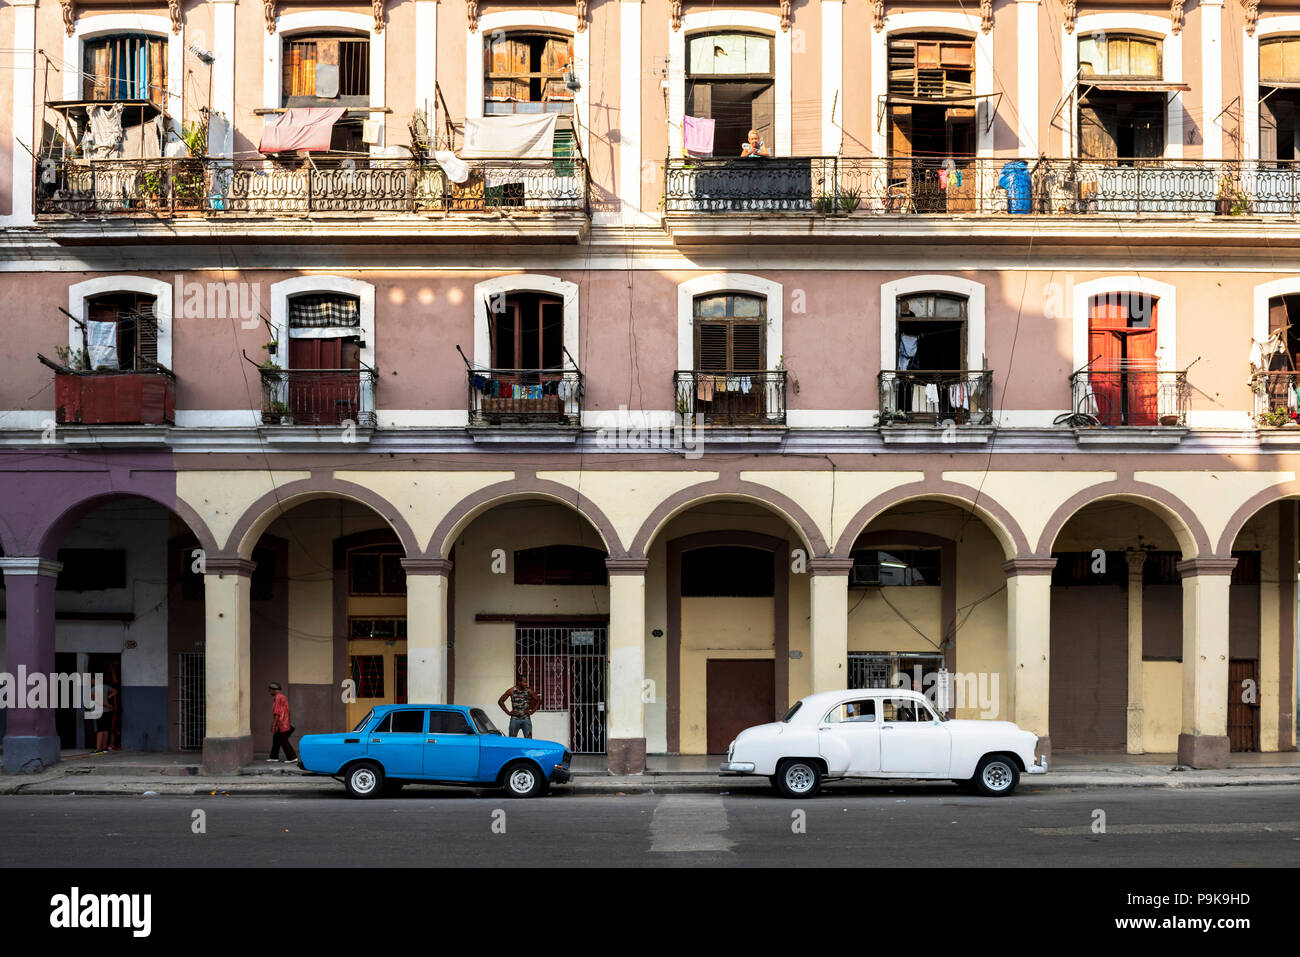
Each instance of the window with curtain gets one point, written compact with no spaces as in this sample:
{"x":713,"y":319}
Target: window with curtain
{"x":125,"y":66}
{"x":1120,"y":54}
{"x":729,"y":79}
{"x":326,"y":70}
{"x":137,"y":328}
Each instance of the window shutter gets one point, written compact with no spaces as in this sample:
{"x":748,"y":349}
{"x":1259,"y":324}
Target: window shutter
{"x":1268,"y":131}
{"x":156,"y":78}
{"x":1097,"y":128}
{"x":747,"y":346}
{"x":711,"y":346}
{"x":763,"y":112}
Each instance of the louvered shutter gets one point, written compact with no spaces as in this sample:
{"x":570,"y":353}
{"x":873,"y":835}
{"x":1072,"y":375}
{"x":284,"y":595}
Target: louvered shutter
{"x":711,"y":346}
{"x":747,"y":346}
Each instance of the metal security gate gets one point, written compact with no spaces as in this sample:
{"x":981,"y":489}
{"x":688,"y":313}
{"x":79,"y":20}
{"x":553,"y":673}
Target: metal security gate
{"x":566,"y":665}
{"x":872,"y":669}
{"x":193,"y":700}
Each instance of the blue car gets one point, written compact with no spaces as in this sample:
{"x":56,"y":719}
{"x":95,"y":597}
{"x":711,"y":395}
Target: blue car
{"x":397,"y":744}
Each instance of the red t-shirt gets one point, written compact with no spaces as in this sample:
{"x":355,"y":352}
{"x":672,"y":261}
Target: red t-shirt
{"x":281,"y":712}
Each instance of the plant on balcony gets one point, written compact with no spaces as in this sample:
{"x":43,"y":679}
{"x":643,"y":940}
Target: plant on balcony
{"x":850,"y":199}
{"x":76,"y":359}
{"x":1230,"y":199}
{"x":189,"y":182}
{"x":824,"y":204}
{"x":1275,"y":417}
{"x":275,"y":413}
{"x":150,"y":187}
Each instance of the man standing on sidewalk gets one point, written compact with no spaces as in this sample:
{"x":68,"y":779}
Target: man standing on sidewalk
{"x":523,"y":702}
{"x":280,"y":726}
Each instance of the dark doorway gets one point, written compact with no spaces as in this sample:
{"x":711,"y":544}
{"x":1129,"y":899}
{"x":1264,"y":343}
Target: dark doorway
{"x":740,"y":695}
{"x":1243,"y":704}
{"x":65,"y":719}
{"x":110,"y":666}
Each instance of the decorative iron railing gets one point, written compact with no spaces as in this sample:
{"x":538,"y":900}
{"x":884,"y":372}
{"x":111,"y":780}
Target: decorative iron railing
{"x":1132,"y":396}
{"x":936,"y":397}
{"x":731,"y":397}
{"x":850,"y":186}
{"x":1277,"y":398}
{"x":525,"y":397}
{"x":213,"y":187}
{"x":318,"y":397}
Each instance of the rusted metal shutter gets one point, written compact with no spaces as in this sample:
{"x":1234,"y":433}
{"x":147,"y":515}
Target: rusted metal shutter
{"x":1088,"y":701}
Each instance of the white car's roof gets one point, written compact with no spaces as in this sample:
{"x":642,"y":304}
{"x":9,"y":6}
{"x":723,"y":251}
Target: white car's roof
{"x":828,"y":699}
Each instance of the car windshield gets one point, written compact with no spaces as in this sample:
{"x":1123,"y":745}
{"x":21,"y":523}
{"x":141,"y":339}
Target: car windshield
{"x":364,"y":721}
{"x":483,"y":722}
{"x":792,"y":712}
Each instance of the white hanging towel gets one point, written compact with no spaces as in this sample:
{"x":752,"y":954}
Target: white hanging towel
{"x":523,"y":137}
{"x":457,"y":170}
{"x":101,"y":343}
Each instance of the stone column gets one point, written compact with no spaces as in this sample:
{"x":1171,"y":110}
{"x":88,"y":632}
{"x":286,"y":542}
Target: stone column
{"x":30,"y":741}
{"x":1029,"y":645}
{"x":829,"y":641}
{"x":1136,"y":559}
{"x":427,"y":584}
{"x":624,"y":704}
{"x":1204,"y":739}
{"x":228,"y":737}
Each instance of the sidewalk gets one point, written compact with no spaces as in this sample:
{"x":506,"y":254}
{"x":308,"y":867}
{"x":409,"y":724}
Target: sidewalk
{"x":163,"y":773}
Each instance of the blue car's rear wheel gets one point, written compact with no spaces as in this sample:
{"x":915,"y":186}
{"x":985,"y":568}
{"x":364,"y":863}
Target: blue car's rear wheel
{"x":364,"y":780}
{"x":523,"y":779}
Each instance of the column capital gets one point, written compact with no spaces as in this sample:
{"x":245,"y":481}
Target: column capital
{"x":1136,"y":559}
{"x":30,"y":566}
{"x":830,"y":566}
{"x":427,"y":566}
{"x":220,"y":567}
{"x":627,"y":566}
{"x":1016,"y":567}
{"x":1210,"y":565}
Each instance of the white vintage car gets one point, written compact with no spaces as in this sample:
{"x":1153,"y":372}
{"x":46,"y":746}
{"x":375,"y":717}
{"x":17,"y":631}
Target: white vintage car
{"x":882,"y":733}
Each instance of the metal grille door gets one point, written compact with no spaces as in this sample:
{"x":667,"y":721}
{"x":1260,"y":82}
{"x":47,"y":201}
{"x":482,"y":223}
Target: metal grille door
{"x":566,"y":666}
{"x":193,"y":700}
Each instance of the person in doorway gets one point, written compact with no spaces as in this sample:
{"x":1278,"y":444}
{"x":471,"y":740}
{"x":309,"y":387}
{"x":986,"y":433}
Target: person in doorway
{"x":523,"y":702}
{"x":281,"y":727}
{"x":754,"y":146}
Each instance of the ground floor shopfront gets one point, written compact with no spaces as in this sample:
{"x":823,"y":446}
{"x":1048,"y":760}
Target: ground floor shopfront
{"x":658,"y":605}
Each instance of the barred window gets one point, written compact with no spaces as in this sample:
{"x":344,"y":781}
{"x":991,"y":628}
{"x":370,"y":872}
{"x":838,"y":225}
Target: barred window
{"x":324,"y":310}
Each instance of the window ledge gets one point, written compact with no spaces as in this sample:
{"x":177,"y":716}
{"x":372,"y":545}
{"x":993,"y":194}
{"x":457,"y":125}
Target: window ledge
{"x":1283,"y":438}
{"x":315,"y":435}
{"x":524,"y":435}
{"x":932,"y":434}
{"x":1139,"y":436}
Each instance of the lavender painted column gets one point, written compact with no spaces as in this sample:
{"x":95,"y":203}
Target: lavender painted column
{"x":30,"y":743}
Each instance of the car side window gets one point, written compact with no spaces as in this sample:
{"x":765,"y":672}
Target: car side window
{"x":402,"y":722}
{"x":904,"y":709}
{"x":856,"y":711}
{"x":448,"y":722}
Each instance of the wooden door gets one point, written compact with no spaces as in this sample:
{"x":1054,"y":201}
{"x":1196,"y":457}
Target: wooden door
{"x":741,"y":692}
{"x":1243,"y":704}
{"x":333,"y":394}
{"x":1122,"y":376}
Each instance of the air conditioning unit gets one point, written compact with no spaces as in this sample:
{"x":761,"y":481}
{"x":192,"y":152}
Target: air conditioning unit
{"x":864,"y":574}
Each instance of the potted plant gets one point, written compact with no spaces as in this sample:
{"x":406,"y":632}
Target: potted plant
{"x":275,"y":413}
{"x":150,"y":187}
{"x":850,"y":199}
{"x":1275,"y":417}
{"x":824,"y":204}
{"x":1230,"y":199}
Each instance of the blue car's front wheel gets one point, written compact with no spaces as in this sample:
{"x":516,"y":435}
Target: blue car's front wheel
{"x":523,"y":779}
{"x":364,"y":780}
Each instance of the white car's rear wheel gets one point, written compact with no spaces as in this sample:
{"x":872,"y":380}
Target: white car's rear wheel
{"x":996,"y":776}
{"x":798,"y":778}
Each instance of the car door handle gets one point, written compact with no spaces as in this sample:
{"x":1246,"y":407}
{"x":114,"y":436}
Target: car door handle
{"x":376,"y":740}
{"x":430,"y":740}
{"x":887,"y":728}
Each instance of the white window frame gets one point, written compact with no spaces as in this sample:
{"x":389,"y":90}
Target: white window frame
{"x":711,"y":21}
{"x":1171,"y":59}
{"x":688,"y":291}
{"x":78,"y":293}
{"x":507,"y":285}
{"x":289,"y":25}
{"x":510,"y":21}
{"x":1166,"y":320}
{"x":91,"y":27}
{"x":922,"y":21}
{"x":954,"y":285}
{"x":1266,"y":27}
{"x":283,"y":291}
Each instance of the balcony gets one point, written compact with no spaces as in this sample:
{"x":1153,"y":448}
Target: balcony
{"x":1275,"y":399}
{"x":936,"y":398}
{"x":544,"y":199}
{"x":1136,"y":397}
{"x":318,"y":397}
{"x":732,"y":398}
{"x":525,"y":397}
{"x":114,"y":398}
{"x":819,"y":197}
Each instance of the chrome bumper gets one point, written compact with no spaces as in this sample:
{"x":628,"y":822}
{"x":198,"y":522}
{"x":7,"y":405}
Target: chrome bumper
{"x":1039,"y":768}
{"x":736,"y":767}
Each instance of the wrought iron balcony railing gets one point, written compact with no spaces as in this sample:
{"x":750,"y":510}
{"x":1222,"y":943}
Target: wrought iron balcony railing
{"x":215,"y":187}
{"x":525,"y":397}
{"x":1276,"y":402}
{"x":1131,"y":396}
{"x":318,"y":397}
{"x":914,"y":396}
{"x":904,"y":185}
{"x":732,"y":397}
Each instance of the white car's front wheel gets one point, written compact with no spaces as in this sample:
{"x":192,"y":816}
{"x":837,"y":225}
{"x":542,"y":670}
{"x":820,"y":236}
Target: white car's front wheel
{"x":798,"y":778}
{"x":996,"y":776}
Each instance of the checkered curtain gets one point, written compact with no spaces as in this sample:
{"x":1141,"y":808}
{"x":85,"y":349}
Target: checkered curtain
{"x":325,"y":310}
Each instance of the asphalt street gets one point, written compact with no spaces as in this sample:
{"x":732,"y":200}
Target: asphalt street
{"x":850,"y":826}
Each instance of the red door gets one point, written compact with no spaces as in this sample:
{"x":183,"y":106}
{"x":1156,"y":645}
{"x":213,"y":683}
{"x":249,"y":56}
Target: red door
{"x":741,"y":692}
{"x":324,"y":382}
{"x":1122,"y":350}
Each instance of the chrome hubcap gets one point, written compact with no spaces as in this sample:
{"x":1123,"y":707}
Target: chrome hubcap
{"x":363,"y":781}
{"x":521,"y":781}
{"x":799,"y":778}
{"x":997,"y":777}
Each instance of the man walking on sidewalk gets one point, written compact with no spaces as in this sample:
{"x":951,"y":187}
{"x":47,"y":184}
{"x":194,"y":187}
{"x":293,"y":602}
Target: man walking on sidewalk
{"x":523,"y":702}
{"x":280,"y":726}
